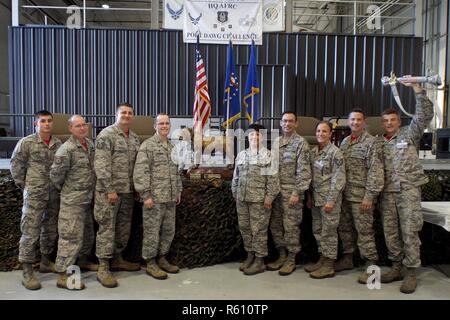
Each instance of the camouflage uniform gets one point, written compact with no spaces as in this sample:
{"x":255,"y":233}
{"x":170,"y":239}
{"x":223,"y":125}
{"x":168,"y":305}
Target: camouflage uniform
{"x":401,"y":197}
{"x":114,"y":159}
{"x":364,"y":169}
{"x":30,"y":167}
{"x":295,"y":176}
{"x":156,"y":176}
{"x":73,"y":174}
{"x":253,"y":181}
{"x":328,"y":182}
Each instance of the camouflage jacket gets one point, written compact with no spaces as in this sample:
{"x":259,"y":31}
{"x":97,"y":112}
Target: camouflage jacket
{"x":72,"y":171}
{"x":364,"y":167}
{"x":155,"y":173}
{"x":294,"y":164}
{"x":253,"y":177}
{"x":114,"y":159}
{"x":328,"y":179}
{"x":400,"y":153}
{"x":30,"y":165}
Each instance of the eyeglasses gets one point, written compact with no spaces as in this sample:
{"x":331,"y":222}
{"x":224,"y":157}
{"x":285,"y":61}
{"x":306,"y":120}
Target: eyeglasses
{"x":79,"y":126}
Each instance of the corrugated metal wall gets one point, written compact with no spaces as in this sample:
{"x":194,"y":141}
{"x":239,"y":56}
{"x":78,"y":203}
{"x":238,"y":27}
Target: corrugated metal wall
{"x":89,"y":71}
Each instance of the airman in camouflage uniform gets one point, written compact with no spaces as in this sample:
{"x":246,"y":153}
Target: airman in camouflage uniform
{"x":292,"y":153}
{"x":157,"y":180}
{"x":254,"y":187}
{"x":115,"y":155}
{"x":365,"y":176}
{"x":72,"y":173}
{"x":328,"y":182}
{"x":401,"y":197}
{"x":30,"y":167}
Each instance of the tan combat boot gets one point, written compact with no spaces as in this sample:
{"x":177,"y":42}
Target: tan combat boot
{"x":394,"y":274}
{"x":86,"y":265}
{"x":46,"y":265}
{"x":256,"y":267}
{"x":166,"y":266}
{"x":326,"y":270}
{"x":247,"y":263}
{"x":104,"y":276}
{"x":154,"y":270}
{"x":364,"y":276}
{"x":29,"y":280}
{"x":314,"y":266}
{"x":289,"y":265}
{"x":409,"y":285}
{"x":345,"y":263}
{"x":277,"y":264}
{"x":118,"y":264}
{"x":62,"y":282}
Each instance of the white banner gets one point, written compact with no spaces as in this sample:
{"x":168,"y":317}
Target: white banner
{"x":272,"y":12}
{"x":173,"y":17}
{"x":219,"y":21}
{"x":273,"y":15}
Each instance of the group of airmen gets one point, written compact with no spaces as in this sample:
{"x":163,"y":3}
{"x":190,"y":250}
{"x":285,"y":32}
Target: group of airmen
{"x":341,"y":186}
{"x":66,"y":186}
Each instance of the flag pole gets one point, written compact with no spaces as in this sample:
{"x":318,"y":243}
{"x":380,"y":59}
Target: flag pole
{"x":228,"y":109}
{"x":253,"y":120}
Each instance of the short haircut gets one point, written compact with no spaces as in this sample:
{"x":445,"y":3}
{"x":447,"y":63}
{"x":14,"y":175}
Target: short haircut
{"x":325,"y":122}
{"x":289,"y":112}
{"x":124,"y":104}
{"x":256,"y":127}
{"x":70,"y":121}
{"x":357,"y":110}
{"x":42,"y":113}
{"x":161,"y":114}
{"x":391,"y":111}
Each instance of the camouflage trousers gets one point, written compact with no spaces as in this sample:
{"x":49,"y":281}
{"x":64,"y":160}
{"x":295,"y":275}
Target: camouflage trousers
{"x":159,"y":229}
{"x":285,"y":223}
{"x":39,"y":222}
{"x":114,"y":222}
{"x":76,"y":233}
{"x":402,"y":220}
{"x":352,"y":215}
{"x":253,"y":221}
{"x":325,"y":230}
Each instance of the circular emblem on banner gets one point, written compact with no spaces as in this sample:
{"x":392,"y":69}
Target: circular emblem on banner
{"x":271,"y":13}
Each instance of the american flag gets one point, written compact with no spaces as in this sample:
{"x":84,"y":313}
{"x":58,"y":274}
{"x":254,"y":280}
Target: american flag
{"x":202,"y":104}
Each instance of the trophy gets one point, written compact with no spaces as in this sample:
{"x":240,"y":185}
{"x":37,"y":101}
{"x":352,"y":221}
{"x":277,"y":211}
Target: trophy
{"x":431,"y":79}
{"x":434,"y":80}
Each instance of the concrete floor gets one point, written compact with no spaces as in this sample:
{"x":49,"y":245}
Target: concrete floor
{"x":225,"y":282}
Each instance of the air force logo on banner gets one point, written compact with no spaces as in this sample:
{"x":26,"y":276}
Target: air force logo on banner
{"x":194,"y":20}
{"x":174,"y":14}
{"x":222,"y":16}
